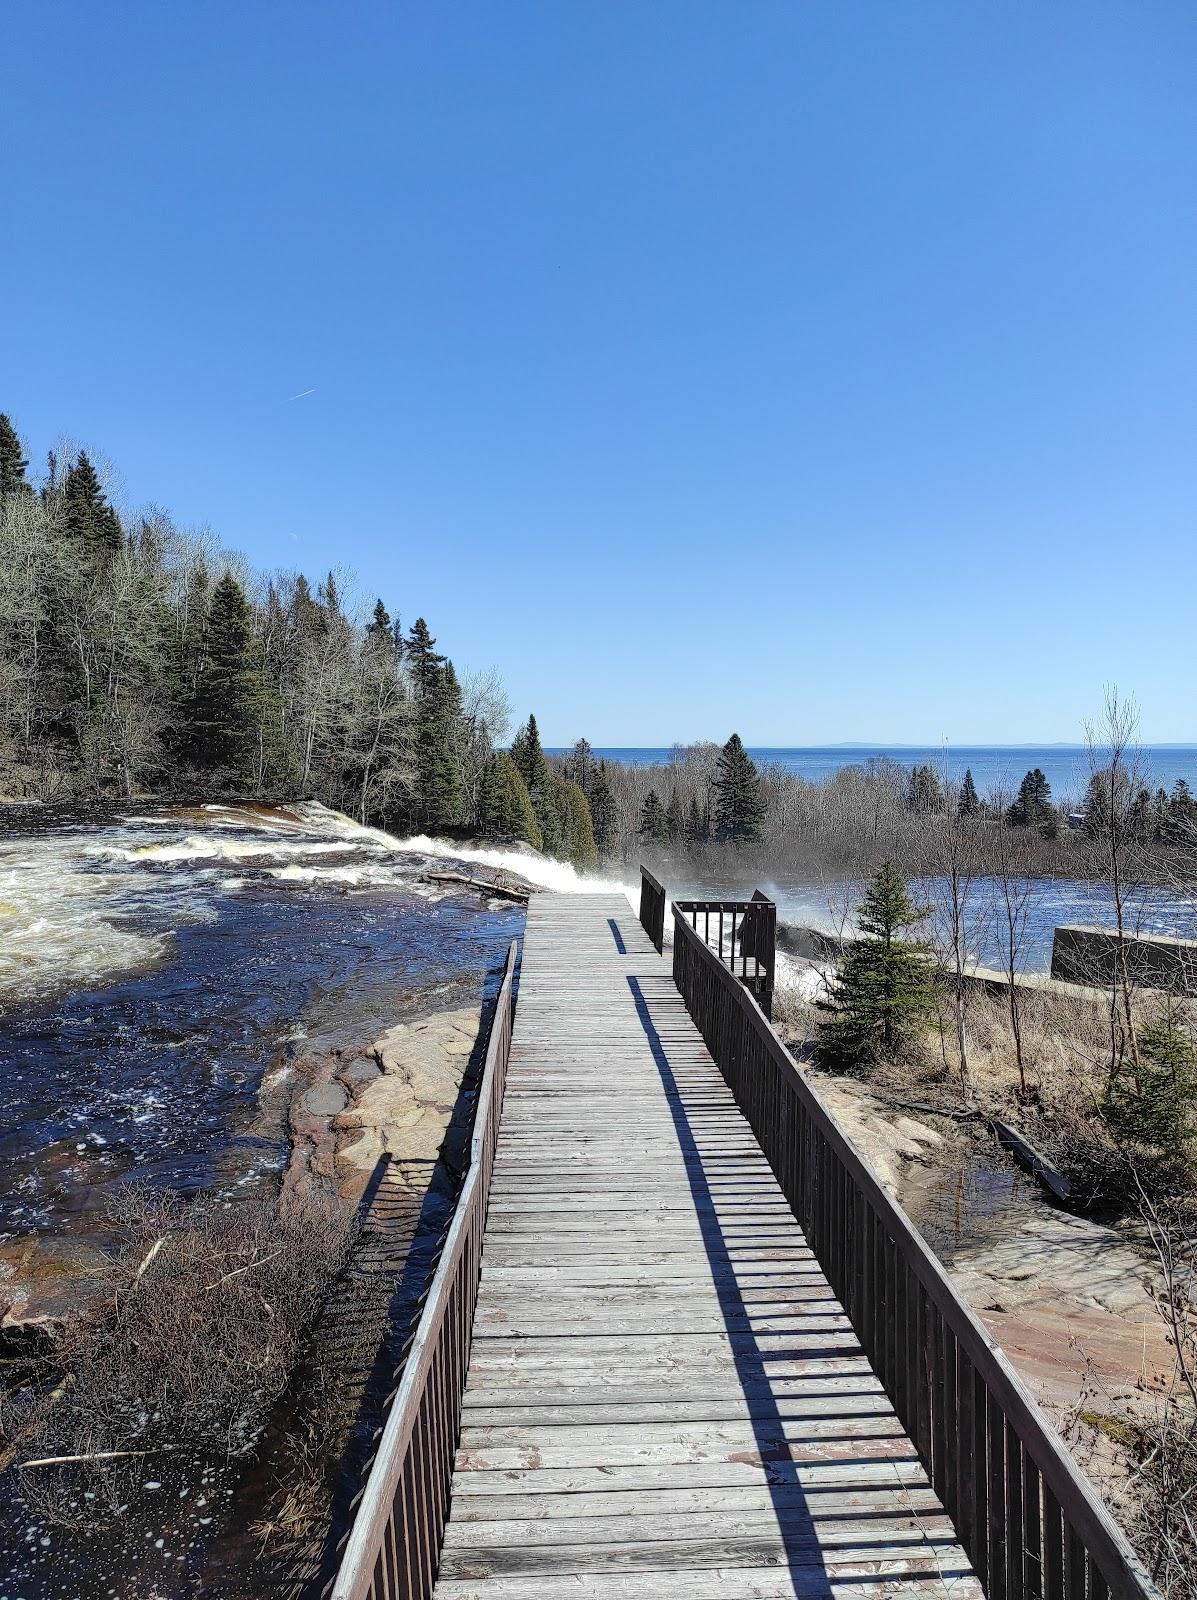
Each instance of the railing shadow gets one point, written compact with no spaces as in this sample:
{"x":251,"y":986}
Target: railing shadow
{"x":791,"y":1502}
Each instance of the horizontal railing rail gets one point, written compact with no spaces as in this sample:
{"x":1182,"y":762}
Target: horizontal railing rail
{"x":743,"y":934}
{"x":652,"y":908}
{"x":394,"y":1545}
{"x":1027,"y":1518}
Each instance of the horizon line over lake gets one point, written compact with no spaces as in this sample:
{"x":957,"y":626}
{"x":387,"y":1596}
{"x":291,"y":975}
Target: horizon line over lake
{"x":993,"y":766}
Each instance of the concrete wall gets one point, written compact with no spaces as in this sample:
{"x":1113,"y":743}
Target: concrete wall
{"x":1088,"y":955}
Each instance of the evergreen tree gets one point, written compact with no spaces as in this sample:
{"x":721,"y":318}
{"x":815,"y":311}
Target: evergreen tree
{"x":883,"y":996}
{"x":577,"y":828}
{"x":602,"y":809}
{"x":1153,"y":1103}
{"x":505,"y":805}
{"x":581,"y":765}
{"x":696,"y":826}
{"x":227,"y":688}
{"x":675,"y":818}
{"x":1032,"y":805}
{"x":87,"y":517}
{"x":439,"y":795}
{"x":1159,"y":815}
{"x":739,"y":802}
{"x":528,"y":755}
{"x":652,"y":817}
{"x":379,"y":624}
{"x":1181,"y":823}
{"x":924,"y":792}
{"x":12,"y":461}
{"x":1139,"y":815}
{"x":969,"y":803}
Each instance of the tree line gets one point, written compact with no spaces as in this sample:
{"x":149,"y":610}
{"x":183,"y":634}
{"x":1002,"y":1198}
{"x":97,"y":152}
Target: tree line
{"x":137,"y":658}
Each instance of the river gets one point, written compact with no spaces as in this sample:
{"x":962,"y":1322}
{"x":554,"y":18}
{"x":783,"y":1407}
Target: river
{"x":162,"y":969}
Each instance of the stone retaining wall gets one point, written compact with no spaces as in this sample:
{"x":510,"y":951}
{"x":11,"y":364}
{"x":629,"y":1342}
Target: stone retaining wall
{"x":1088,"y":955}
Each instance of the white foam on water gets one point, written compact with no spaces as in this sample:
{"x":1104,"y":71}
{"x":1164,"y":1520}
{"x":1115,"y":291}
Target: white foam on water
{"x":55,"y":927}
{"x":558,"y":876}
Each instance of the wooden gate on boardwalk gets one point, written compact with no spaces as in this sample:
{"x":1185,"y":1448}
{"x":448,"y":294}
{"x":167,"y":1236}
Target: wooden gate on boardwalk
{"x":660,"y":1391}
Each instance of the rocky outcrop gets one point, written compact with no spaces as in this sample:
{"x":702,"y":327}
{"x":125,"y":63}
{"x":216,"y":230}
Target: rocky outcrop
{"x":395,"y":1100}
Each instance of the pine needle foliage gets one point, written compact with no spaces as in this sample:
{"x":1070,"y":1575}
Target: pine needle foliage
{"x":883,"y":996}
{"x":739,"y":802}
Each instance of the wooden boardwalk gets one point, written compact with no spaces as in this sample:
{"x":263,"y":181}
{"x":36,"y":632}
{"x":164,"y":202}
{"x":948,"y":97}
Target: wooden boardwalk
{"x":664,"y":1399}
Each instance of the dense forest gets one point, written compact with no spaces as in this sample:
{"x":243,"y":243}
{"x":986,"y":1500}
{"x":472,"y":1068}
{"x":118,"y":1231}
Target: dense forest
{"x":137,"y":658}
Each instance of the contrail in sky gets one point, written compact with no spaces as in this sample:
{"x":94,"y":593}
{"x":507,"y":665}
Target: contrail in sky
{"x":302,"y":395}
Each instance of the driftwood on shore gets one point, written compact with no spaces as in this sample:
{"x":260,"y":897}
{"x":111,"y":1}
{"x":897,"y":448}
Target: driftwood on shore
{"x":505,"y":891}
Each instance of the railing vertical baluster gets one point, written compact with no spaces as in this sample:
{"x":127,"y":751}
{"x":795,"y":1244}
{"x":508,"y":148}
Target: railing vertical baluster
{"x":980,"y":1471}
{"x":1032,"y":1530}
{"x":966,"y":1515}
{"x":1053,"y":1547}
{"x":995,"y":1492}
{"x":1015,"y":1589}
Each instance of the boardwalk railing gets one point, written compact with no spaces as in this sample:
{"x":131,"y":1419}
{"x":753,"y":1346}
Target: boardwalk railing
{"x":652,"y":908}
{"x":743,"y":936}
{"x":1030,"y":1523}
{"x":395,"y":1543}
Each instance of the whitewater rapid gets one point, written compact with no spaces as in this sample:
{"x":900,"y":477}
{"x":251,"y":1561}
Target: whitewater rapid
{"x":75,"y":900}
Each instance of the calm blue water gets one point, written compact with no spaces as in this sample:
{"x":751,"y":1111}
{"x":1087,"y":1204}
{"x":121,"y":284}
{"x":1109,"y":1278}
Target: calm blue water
{"x":992,"y":766}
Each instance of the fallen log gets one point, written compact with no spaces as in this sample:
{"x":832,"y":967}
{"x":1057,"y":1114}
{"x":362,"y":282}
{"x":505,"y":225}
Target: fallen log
{"x":502,"y":890}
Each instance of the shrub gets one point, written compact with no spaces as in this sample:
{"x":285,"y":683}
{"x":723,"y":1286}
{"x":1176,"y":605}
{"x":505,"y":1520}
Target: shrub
{"x":1152,"y":1105}
{"x":882,"y":999}
{"x":196,"y":1338}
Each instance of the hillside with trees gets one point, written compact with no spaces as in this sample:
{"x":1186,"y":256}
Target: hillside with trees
{"x":136,"y":659}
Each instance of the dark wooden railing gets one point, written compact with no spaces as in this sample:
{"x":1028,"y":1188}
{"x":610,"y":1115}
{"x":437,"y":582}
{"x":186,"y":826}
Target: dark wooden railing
{"x":652,"y":908}
{"x":1030,"y":1523}
{"x":395,"y":1543}
{"x":743,"y":936}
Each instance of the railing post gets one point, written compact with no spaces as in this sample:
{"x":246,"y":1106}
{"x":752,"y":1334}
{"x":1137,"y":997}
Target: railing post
{"x":652,"y":908}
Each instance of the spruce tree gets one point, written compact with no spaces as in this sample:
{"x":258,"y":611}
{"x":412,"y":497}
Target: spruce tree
{"x":528,"y":755}
{"x":577,"y":828}
{"x":227,"y":687}
{"x":380,"y":623}
{"x":439,"y":793}
{"x":581,"y":765}
{"x":505,"y":806}
{"x":924,"y":792}
{"x":1182,"y":814}
{"x":883,"y":996}
{"x":969,"y":803}
{"x":1152,"y":1104}
{"x":675,"y":817}
{"x":652,"y":817}
{"x":12,"y":461}
{"x":602,"y":810}
{"x":696,"y":828}
{"x":1032,"y":805}
{"x":87,"y":516}
{"x":739,"y":803}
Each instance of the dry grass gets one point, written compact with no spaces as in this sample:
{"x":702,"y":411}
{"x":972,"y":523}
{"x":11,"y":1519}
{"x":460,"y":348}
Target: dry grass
{"x":196,"y":1335}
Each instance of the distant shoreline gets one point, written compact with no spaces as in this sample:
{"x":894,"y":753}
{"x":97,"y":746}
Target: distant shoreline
{"x":993,"y":766}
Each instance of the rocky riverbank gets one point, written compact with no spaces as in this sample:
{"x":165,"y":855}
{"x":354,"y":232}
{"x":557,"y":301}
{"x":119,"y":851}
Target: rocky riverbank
{"x":1069,"y":1299}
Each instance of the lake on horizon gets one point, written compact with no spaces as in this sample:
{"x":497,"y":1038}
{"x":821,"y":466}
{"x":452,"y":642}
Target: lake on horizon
{"x":993,"y":766}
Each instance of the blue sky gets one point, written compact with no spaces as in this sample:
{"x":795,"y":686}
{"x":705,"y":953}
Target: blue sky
{"x":822,"y":371}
